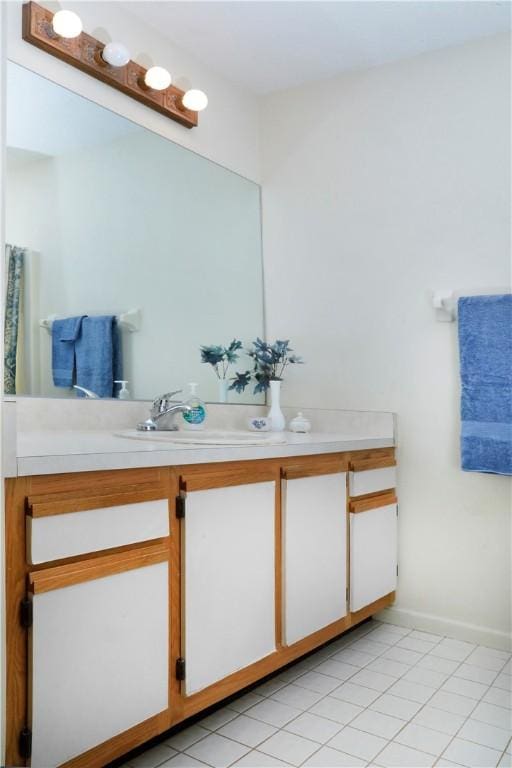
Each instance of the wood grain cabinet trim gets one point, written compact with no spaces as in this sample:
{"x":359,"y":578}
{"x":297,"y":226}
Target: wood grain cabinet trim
{"x":87,"y":570}
{"x":377,"y":462}
{"x":306,"y":469}
{"x":97,"y":483}
{"x":372,"y":501}
{"x":191,"y":480}
{"x":60,"y":506}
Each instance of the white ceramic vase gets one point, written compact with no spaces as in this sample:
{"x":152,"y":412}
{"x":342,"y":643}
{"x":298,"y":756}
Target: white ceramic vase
{"x":223,"y":390}
{"x":277,"y":421}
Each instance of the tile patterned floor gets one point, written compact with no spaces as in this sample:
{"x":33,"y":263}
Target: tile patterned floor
{"x":381,"y":696}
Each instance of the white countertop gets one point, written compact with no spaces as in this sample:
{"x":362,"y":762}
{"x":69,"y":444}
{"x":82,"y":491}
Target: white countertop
{"x":59,"y":451}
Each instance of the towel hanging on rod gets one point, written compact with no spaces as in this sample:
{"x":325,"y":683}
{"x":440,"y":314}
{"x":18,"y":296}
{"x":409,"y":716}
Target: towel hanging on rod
{"x":445,"y":301}
{"x":485,"y":347}
{"x":127,"y":321}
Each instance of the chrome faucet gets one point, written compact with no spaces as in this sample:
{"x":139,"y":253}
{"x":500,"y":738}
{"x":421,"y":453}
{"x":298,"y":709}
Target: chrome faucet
{"x":89,"y":395}
{"x":163,"y":406}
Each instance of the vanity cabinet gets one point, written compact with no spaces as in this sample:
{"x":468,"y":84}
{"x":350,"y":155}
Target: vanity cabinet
{"x":373,"y":550}
{"x":138,"y":598}
{"x":373,"y":529}
{"x":228,"y":566}
{"x":65,"y":528}
{"x":89,"y":567}
{"x":314,"y":504}
{"x":98,"y":651}
{"x":371,"y":475}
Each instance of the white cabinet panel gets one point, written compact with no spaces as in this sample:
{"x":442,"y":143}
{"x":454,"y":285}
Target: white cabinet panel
{"x":76,"y":533}
{"x":229,"y":590}
{"x":314,"y":553}
{"x":373,"y":555}
{"x":372,"y":480}
{"x":98,"y":661}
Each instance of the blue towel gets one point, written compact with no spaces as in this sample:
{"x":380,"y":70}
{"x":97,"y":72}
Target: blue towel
{"x":485,"y":344}
{"x":98,"y":355}
{"x":64,"y":335}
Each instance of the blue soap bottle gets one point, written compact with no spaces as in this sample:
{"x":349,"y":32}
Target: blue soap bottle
{"x":196,"y":417}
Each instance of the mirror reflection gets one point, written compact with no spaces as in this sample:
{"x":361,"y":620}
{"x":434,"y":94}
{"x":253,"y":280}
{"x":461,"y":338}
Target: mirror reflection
{"x":126,"y":254}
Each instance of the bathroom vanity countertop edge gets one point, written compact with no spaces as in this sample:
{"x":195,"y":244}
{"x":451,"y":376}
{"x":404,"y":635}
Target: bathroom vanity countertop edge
{"x":56,"y":452}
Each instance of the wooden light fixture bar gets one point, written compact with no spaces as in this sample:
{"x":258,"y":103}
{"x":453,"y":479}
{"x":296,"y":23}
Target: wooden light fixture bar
{"x":84,"y":52}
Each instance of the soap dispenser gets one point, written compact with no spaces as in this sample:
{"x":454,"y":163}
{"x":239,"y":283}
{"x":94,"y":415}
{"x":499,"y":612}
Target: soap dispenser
{"x":124,"y":392}
{"x":196,"y":417}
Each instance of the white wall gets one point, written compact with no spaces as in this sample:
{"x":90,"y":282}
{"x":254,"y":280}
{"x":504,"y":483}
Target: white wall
{"x":228,"y":130}
{"x":377,"y":188}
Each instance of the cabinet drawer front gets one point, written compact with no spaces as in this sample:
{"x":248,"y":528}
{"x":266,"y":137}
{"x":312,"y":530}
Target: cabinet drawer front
{"x":98,"y":661}
{"x":314,"y":554}
{"x":229,"y":581}
{"x":92,"y":530}
{"x":373,"y":555}
{"x":372,"y":480}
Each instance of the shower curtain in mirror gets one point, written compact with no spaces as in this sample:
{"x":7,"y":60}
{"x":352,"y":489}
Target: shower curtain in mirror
{"x":14,"y":262}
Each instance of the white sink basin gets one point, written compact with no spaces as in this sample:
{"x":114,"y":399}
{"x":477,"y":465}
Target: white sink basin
{"x":207,"y":437}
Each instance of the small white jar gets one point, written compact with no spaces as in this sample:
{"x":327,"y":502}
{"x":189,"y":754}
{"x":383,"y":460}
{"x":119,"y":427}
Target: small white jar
{"x":300,"y":423}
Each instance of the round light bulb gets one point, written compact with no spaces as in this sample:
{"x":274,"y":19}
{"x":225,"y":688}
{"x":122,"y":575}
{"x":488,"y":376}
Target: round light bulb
{"x":67,"y":24}
{"x":115,"y":54}
{"x":157,"y":78}
{"x":195,"y":100}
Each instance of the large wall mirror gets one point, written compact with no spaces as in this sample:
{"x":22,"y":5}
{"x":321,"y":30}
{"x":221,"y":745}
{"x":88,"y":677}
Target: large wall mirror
{"x":126,"y":253}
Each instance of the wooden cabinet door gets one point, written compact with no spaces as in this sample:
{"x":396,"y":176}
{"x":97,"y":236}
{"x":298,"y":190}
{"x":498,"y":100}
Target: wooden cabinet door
{"x":98,"y":651}
{"x":228,"y":547}
{"x":314,"y":553}
{"x":373,"y":553}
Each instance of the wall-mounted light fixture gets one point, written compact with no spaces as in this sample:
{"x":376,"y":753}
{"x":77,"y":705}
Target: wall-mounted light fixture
{"x":157,"y":78}
{"x":61,"y":35}
{"x":116,"y":54}
{"x":195,"y":100}
{"x":67,"y":24}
